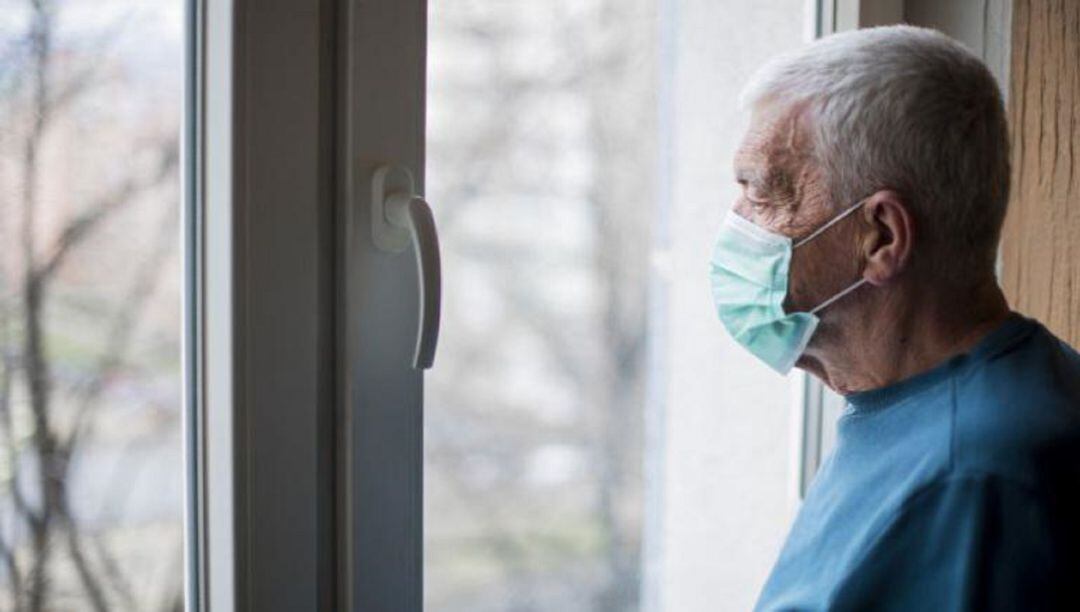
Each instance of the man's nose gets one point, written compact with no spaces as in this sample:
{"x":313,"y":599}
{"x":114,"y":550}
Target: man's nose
{"x":742,"y":208}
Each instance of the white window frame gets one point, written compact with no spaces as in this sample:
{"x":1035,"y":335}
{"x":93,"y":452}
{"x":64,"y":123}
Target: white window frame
{"x":304,"y":425}
{"x":305,"y":417}
{"x":380,"y":393}
{"x":260,"y":209}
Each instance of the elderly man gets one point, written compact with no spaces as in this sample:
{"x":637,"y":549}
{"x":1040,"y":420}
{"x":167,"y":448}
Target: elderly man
{"x":874,"y":184}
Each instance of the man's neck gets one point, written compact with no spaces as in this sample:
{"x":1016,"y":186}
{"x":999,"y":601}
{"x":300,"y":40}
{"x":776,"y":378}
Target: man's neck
{"x":900,"y":338}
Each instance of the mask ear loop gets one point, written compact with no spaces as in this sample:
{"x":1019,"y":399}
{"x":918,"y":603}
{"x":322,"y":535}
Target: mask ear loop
{"x":852,"y":287}
{"x":830,"y":223}
{"x":815,"y":234}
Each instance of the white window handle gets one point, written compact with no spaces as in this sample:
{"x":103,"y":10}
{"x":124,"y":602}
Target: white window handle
{"x":400,"y":217}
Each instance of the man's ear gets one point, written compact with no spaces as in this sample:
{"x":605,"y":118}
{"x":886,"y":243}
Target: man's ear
{"x":889,"y":236}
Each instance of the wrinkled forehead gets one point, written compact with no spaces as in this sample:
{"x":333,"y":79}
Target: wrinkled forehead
{"x":775,"y":140}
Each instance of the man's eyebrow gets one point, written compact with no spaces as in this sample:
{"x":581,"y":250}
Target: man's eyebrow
{"x":748,"y":174}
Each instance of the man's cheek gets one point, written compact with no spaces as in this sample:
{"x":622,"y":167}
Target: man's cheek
{"x":797,"y":296}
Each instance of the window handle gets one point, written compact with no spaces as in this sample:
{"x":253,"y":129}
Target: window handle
{"x":400,"y":217}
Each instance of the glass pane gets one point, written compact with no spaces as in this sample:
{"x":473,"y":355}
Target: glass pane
{"x":594,"y":439}
{"x":541,"y":148}
{"x":91,"y":459}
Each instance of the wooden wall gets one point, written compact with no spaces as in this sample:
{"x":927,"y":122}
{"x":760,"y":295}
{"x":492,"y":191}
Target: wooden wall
{"x":1041,"y":244}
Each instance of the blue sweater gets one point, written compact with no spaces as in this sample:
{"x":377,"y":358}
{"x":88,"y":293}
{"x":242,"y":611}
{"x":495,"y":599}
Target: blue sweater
{"x":956,"y":489}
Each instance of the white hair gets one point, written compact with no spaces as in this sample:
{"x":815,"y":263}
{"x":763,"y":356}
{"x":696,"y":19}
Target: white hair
{"x":911,"y":110}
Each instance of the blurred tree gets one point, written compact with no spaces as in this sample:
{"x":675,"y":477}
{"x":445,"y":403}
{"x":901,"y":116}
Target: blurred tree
{"x":540,"y":117}
{"x":41,"y":82}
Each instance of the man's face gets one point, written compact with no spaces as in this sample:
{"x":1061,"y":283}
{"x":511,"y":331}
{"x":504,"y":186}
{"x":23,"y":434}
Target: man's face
{"x":782,"y":191}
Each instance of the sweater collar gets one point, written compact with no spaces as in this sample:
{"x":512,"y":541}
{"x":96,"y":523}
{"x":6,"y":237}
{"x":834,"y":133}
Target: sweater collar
{"x":1009,"y":331}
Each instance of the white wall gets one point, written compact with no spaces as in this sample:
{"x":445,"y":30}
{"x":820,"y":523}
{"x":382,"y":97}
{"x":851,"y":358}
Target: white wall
{"x":722,"y":422}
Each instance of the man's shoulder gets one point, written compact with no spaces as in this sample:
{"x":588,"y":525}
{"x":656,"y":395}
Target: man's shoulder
{"x":1035,"y":367}
{"x":1018,"y":411}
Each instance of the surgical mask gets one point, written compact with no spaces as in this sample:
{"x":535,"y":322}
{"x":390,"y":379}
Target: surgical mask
{"x":749,"y":277}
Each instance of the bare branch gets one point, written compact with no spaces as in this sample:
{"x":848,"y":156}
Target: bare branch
{"x":115,"y":575}
{"x":22,"y":509}
{"x":172,"y":594}
{"x":82,"y":566}
{"x":13,"y":68}
{"x":13,"y":570}
{"x":47,"y":94}
{"x":36,"y":367}
{"x":82,"y":226}
{"x":122,"y":327}
{"x":91,"y":73}
{"x":11,"y":444}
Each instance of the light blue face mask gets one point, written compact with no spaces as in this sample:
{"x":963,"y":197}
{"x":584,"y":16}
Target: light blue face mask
{"x":749,"y":276}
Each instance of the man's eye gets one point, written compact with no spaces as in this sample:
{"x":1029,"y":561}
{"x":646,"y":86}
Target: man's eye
{"x":753,"y":194}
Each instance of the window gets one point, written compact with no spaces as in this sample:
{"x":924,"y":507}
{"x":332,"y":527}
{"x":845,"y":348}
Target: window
{"x":592,"y":436}
{"x":589,"y":438}
{"x":541,"y":158}
{"x":91,"y":460}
